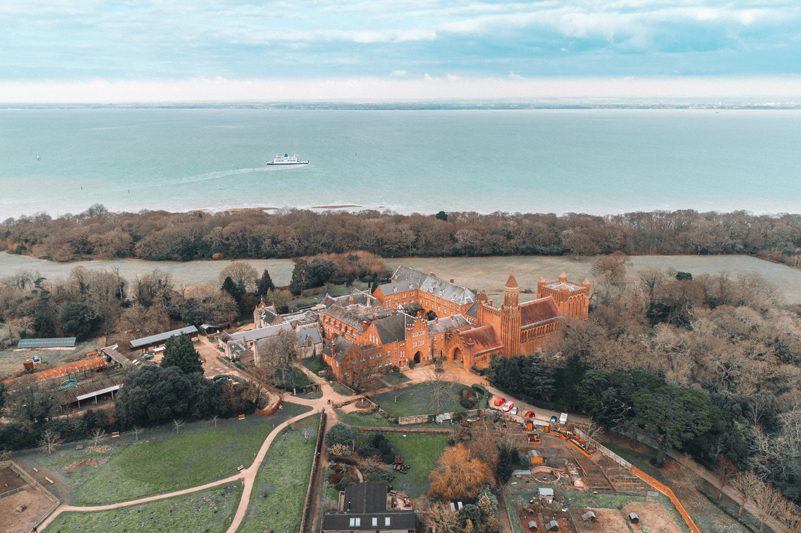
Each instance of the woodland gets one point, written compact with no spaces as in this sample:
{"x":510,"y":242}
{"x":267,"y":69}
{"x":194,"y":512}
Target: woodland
{"x":707,"y":365}
{"x":255,"y":234}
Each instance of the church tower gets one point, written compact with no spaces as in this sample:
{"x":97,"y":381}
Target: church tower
{"x":510,"y":318}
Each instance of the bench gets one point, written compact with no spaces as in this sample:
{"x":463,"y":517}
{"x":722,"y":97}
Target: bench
{"x":115,"y":434}
{"x":241,"y":417}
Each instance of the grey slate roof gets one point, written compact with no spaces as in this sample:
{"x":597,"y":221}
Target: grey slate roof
{"x":162,"y":337}
{"x":60,"y":342}
{"x":359,"y":298}
{"x":268,"y":314}
{"x":302,"y":333}
{"x":403,"y":273}
{"x":472,"y":311}
{"x":432,"y":285}
{"x":393,"y":328}
{"x":341,"y":346}
{"x":446,"y":323}
{"x":261,"y":333}
{"x":365,"y":502}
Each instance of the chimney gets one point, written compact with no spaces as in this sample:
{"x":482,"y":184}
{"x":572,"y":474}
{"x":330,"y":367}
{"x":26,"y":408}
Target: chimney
{"x":364,"y":326}
{"x":375,"y":317}
{"x":436,"y":320}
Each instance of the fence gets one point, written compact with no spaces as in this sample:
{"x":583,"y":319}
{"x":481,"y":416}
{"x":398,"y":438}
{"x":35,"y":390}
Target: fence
{"x":272,"y":410}
{"x":645,"y":477}
{"x":410,"y":431}
{"x":603,"y":449}
{"x":422,"y":419}
{"x":318,"y":446}
{"x":35,"y":484}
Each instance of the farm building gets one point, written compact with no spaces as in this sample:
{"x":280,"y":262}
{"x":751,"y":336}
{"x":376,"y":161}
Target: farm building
{"x":60,"y":342}
{"x":532,"y":525}
{"x":153,"y":341}
{"x":589,"y":516}
{"x":553,"y":525}
{"x":536,"y":457}
{"x":546,"y":495}
{"x":634,"y":518}
{"x":87,"y":393}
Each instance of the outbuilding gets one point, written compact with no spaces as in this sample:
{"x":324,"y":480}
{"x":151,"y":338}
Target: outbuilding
{"x":546,"y":495}
{"x":589,"y":516}
{"x":553,"y":525}
{"x":532,"y":525}
{"x":634,"y":518}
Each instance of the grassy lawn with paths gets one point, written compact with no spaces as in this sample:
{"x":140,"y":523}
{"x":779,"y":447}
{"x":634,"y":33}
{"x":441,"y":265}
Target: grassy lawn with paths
{"x":161,"y":461}
{"x":210,"y":510}
{"x":276,"y":503}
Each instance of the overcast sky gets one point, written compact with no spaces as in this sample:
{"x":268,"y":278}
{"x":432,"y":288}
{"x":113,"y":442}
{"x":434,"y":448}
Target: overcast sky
{"x":95,"y":50}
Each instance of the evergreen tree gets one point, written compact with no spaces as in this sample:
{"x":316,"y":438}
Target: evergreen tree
{"x":179,"y":351}
{"x":265,"y":284}
{"x":300,"y":277}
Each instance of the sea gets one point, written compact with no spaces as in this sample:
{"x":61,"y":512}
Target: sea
{"x":598,"y":161}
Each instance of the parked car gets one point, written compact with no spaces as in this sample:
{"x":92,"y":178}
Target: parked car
{"x":529,"y":414}
{"x":514,"y":410}
{"x":508,"y":406}
{"x":499,"y":400}
{"x":553,"y":419}
{"x":147,"y":356}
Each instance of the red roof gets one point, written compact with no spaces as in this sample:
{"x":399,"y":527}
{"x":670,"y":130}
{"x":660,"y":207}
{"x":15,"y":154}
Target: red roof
{"x":81,"y":366}
{"x":538,"y":311}
{"x":484,"y":339}
{"x":511,"y":283}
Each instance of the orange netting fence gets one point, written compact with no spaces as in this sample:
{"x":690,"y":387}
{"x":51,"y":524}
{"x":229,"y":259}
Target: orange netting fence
{"x":669,"y":493}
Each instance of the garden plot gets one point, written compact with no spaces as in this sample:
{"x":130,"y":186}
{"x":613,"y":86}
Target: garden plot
{"x":606,"y":521}
{"x":414,"y":400}
{"x":653,"y":517}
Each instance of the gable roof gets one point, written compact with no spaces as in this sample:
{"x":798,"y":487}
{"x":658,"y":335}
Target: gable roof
{"x":366,"y":498}
{"x":261,"y":333}
{"x":403,"y":273}
{"x":472,"y":311}
{"x":537,"y":311}
{"x":393,"y":328}
{"x":58,"y":342}
{"x":399,"y":521}
{"x":144,"y":341}
{"x":446,"y":323}
{"x":303,"y":333}
{"x":432,"y":285}
{"x":484,"y":338}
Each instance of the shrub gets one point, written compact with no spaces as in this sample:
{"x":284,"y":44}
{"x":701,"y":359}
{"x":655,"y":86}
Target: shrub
{"x":467,"y":403}
{"x":339,"y":434}
{"x":342,"y":483}
{"x":479,"y":389}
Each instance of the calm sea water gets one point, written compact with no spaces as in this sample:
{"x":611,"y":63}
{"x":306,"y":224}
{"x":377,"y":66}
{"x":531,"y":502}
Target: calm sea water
{"x":596,"y":161}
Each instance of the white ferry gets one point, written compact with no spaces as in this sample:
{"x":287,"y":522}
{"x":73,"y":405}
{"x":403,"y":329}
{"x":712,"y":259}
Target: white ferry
{"x":287,"y":159}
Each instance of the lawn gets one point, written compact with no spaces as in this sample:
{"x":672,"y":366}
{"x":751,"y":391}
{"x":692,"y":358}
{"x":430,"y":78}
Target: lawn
{"x":640,"y":460}
{"x":413,"y":400}
{"x":353,"y":419}
{"x":420,"y":452}
{"x":210,"y":510}
{"x":313,"y":364}
{"x":340,"y":389}
{"x":395,"y":377}
{"x":280,"y":489}
{"x":160,"y":461}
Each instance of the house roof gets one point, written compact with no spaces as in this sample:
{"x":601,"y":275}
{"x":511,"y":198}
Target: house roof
{"x":399,"y":521}
{"x":89,"y":390}
{"x":472,"y":311}
{"x":446,"y":323}
{"x":359,"y":298}
{"x":261,"y":333}
{"x":537,"y":311}
{"x":60,"y":342}
{"x":403,"y":273}
{"x":432,"y":285}
{"x":511,"y":283}
{"x":124,"y":359}
{"x":393,"y":328}
{"x":484,"y":338}
{"x":365,"y":498}
{"x":341,"y":347}
{"x":162,"y":337}
{"x":302,"y":333}
{"x":268,"y":313}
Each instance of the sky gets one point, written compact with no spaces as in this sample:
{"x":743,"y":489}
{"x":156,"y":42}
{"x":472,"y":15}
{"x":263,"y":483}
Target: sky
{"x":97,"y":50}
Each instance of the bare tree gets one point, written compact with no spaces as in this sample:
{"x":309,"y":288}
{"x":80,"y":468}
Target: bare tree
{"x":98,"y":435}
{"x":745,"y":483}
{"x":5,"y":453}
{"x":137,"y":430}
{"x":765,"y":497}
{"x":395,"y":387}
{"x":277,"y":353}
{"x":724,"y":471}
{"x":369,"y":464}
{"x":49,"y":440}
{"x":215,"y":418}
{"x":438,"y":386}
{"x":241,"y":273}
{"x":358,"y":368}
{"x":307,"y":431}
{"x":178,"y":424}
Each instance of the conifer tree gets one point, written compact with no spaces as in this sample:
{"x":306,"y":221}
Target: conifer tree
{"x":265,"y":284}
{"x":300,"y":277}
{"x":179,"y":351}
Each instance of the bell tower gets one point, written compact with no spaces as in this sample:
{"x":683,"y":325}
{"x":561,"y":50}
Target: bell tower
{"x":510,"y":318}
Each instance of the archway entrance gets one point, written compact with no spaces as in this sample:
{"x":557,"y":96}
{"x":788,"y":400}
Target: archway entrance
{"x":457,"y":354}
{"x":417,"y":357}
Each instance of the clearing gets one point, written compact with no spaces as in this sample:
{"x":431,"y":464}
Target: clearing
{"x":210,"y":510}
{"x":160,"y":461}
{"x":11,"y":359}
{"x":276,"y":503}
{"x":420,"y":452}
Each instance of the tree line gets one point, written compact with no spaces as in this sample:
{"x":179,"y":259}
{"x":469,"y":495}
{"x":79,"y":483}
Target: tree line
{"x":253,"y":234}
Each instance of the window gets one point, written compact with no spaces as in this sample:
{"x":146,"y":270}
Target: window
{"x":355,"y":522}
{"x":386,"y":521}
{"x":375,"y":521}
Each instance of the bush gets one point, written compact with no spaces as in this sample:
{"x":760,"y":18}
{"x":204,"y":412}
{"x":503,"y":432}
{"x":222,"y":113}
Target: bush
{"x":339,"y":434}
{"x":480,"y":390}
{"x":342,"y":483}
{"x":467,"y":403}
{"x":382,"y":477}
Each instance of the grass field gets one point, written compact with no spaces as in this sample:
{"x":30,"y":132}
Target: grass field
{"x":313,"y":364}
{"x":278,"y":494}
{"x":413,"y":400}
{"x":491,"y":273}
{"x":11,"y":359}
{"x":420,"y":452}
{"x":211,"y":510}
{"x":161,"y":461}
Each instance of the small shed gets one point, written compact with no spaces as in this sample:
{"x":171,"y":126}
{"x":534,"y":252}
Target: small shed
{"x":589,"y":516}
{"x":634,"y":518}
{"x":553,"y":525}
{"x":532,"y":525}
{"x":444,"y":417}
{"x":521,"y":473}
{"x":536,"y":457}
{"x":546,"y":495}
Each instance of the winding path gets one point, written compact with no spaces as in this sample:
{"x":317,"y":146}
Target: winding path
{"x":248,"y":476}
